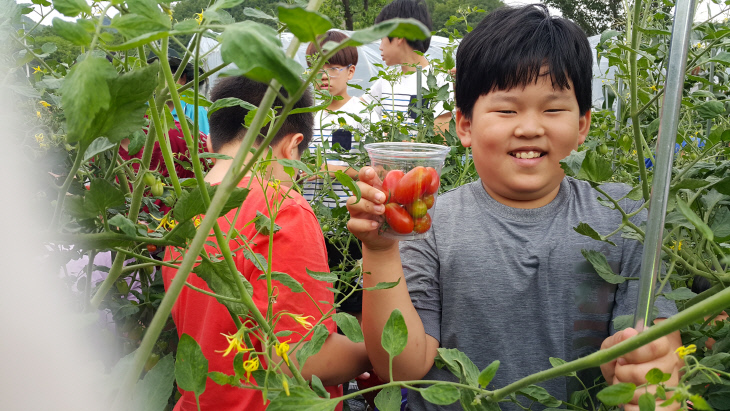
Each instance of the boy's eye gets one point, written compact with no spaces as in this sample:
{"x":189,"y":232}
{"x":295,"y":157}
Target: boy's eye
{"x":554,"y":110}
{"x":506,"y":111}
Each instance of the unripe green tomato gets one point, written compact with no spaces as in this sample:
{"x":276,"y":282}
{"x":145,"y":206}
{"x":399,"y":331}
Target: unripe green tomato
{"x":626,"y":139}
{"x":693,"y":156}
{"x":157,"y":189}
{"x":149,"y":179}
{"x":417,"y":209}
{"x":325,"y":228}
{"x":604,"y":127}
{"x":623,"y":160}
{"x":603,"y":149}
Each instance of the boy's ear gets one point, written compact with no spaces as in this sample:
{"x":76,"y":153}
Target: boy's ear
{"x":463,"y":128}
{"x":350,"y":72}
{"x":584,"y":126}
{"x":288,"y":147}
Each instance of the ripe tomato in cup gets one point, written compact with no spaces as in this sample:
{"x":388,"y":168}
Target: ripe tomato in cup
{"x":412,"y":186}
{"x":391,"y":182}
{"x":398,"y":218}
{"x":435,"y":181}
{"x":421,"y":225}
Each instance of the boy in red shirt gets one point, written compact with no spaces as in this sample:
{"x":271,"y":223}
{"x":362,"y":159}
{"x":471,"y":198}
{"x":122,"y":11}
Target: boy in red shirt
{"x":297,"y":246}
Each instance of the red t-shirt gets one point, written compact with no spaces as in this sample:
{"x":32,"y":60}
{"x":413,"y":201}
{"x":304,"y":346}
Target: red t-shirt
{"x":297,"y":246}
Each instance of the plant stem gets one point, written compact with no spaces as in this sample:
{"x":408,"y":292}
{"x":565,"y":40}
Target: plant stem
{"x":699,"y":311}
{"x":633,"y":86}
{"x":66,"y":184}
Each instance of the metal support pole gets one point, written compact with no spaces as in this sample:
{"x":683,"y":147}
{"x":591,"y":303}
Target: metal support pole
{"x":711,"y":78}
{"x":673,"y":87}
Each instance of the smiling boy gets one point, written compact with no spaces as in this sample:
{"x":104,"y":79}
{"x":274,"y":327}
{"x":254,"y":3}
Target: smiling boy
{"x":501,"y":275}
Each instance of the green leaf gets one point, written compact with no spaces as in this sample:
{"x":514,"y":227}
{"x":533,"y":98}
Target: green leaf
{"x":348,"y":182}
{"x":258,"y":260}
{"x":488,"y":373}
{"x":600,"y":264}
{"x":699,"y":403}
{"x":139,"y":41}
{"x":71,"y":32}
{"x":609,"y":34}
{"x":301,"y":398}
{"x":539,"y":394}
{"x":458,"y":364}
{"x":101,"y":196}
{"x":388,"y":399}
{"x":311,"y":347}
{"x":295,"y":164}
{"x":221,"y":281}
{"x":721,"y":224}
{"x":189,"y":205}
{"x":696,"y":221}
{"x":647,"y":402}
{"x":71,"y":8}
{"x":97,"y":146}
{"x":571,"y":165}
{"x":382,"y":286}
{"x":256,"y":13}
{"x":263,"y":224}
{"x":236,"y":199}
{"x":186,"y":25}
{"x":191,"y":366}
{"x":135,"y":25}
{"x":286,"y":280}
{"x":85,"y":93}
{"x":327,"y":277}
{"x":410,"y":29}
{"x":221,"y":378}
{"x":349,"y":326}
{"x":719,"y":134}
{"x":588,"y":231}
{"x":623,"y":322}
{"x":318,"y":387}
{"x":153,"y":391}
{"x":556,"y":362}
{"x":656,"y":376}
{"x":229,"y":102}
{"x":304,"y":24}
{"x":441,"y":394}
{"x":395,"y":334}
{"x":708,"y":110}
{"x":681,"y":293}
{"x":617,"y":394}
{"x":595,"y":168}
{"x":225,"y":4}
{"x":124,"y":224}
{"x":256,"y":51}
{"x":136,"y":142}
{"x":723,"y":58}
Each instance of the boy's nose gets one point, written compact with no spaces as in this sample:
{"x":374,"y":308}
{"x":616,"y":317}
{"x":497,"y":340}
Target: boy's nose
{"x":529,"y":127}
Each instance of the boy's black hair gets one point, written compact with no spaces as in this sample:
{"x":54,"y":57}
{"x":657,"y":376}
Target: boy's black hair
{"x":510,"y":47}
{"x":345,"y":57}
{"x":227,"y":124}
{"x":416,"y":9}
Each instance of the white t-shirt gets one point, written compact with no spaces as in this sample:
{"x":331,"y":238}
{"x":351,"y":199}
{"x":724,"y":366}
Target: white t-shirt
{"x":396,"y":99}
{"x":334,"y":127}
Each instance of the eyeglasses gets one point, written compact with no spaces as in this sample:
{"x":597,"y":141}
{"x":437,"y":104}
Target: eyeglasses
{"x":334,"y":72}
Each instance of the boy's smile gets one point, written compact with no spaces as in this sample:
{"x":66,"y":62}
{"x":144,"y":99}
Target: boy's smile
{"x":518,"y":138}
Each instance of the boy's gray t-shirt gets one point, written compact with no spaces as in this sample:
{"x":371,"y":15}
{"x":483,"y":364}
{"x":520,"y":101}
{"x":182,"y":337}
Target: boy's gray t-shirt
{"x":507,"y":284}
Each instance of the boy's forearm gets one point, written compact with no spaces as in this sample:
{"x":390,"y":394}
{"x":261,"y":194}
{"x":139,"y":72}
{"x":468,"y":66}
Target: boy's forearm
{"x":418,"y":356}
{"x":339,"y":361}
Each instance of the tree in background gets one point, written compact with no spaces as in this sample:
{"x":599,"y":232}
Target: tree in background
{"x":594,"y":16}
{"x":462,"y":10}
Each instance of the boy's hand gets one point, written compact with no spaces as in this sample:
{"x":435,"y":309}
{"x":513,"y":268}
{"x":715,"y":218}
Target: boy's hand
{"x":632,"y":367}
{"x":366,"y":216}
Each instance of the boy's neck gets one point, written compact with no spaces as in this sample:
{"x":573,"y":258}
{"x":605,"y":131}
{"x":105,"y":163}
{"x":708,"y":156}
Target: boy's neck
{"x":338,"y":104}
{"x":541,"y":200}
{"x":221,"y":166}
{"x":413,"y":59}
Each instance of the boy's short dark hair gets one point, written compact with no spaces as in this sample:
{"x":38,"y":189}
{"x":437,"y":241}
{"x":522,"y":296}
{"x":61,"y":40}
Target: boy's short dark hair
{"x":226,"y":124}
{"x":416,"y":9}
{"x":510,"y":47}
{"x":344,"y":57}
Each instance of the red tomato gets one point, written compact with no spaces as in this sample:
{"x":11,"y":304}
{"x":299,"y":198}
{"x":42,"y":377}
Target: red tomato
{"x":151,"y":248}
{"x":429,"y":199}
{"x":391,"y":182}
{"x":412,"y":186}
{"x":398,"y":218}
{"x":422,"y":224}
{"x":435,"y":181}
{"x":417,"y":209}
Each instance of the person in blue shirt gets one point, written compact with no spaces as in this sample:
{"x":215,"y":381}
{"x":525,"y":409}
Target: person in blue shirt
{"x":189,"y":109}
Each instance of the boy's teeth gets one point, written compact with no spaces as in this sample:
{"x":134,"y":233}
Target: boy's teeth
{"x":527,"y":154}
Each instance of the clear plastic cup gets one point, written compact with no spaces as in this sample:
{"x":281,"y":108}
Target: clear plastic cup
{"x":411,"y":174}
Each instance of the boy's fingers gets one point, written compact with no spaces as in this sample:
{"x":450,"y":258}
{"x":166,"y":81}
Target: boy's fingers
{"x":649,"y":352}
{"x":362,"y":225}
{"x":368,"y":176}
{"x":619,"y":337}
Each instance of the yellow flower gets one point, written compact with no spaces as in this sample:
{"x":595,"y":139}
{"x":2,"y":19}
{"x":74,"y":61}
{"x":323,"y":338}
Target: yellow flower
{"x":275,"y":184}
{"x":286,"y":386}
{"x":196,"y":221}
{"x":39,"y":138}
{"x":38,"y":113}
{"x":37,"y":69}
{"x":654,"y":87}
{"x":199,"y":17}
{"x":282,"y":350}
{"x":303,"y":321}
{"x":251,"y":366}
{"x":682,"y":351}
{"x":45,"y":103}
{"x":234,"y":341}
{"x":677,"y":245}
